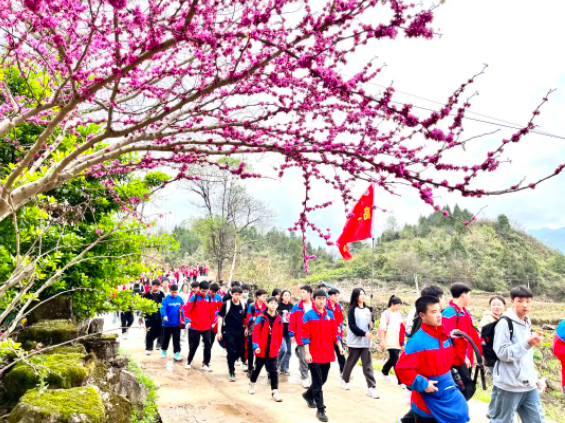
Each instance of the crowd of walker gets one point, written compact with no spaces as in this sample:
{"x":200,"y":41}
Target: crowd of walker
{"x":433,"y":351}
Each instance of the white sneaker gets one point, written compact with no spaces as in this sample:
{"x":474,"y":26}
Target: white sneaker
{"x":345,"y":385}
{"x":148,"y":352}
{"x":306,"y":383}
{"x":237,"y":363}
{"x":188,"y":367}
{"x":372,"y":392}
{"x":276,"y":396}
{"x":245,"y":367}
{"x":207,"y":368}
{"x":125,"y":336}
{"x":225,"y":353}
{"x":251,"y":389}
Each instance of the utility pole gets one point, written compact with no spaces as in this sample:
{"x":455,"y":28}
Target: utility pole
{"x":417,"y":285}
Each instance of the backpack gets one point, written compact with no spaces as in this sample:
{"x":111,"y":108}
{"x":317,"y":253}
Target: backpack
{"x":487,"y":334}
{"x":462,"y":376}
{"x":228,"y":306}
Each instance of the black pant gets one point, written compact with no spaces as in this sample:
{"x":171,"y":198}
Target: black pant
{"x":409,"y":417}
{"x":319,"y":373}
{"x":235,"y":347}
{"x":194,"y":341}
{"x":340,"y":359}
{"x":271,"y":365}
{"x":127,"y":320}
{"x":392,"y":360}
{"x":173,"y":331}
{"x":420,"y":419}
{"x":154,"y":330}
{"x":250,"y":354}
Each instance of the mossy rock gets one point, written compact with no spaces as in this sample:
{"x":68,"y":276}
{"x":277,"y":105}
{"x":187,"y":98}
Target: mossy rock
{"x":50,"y":332}
{"x":59,"y":406}
{"x":61,"y":371}
{"x":72,"y":349}
{"x":118,"y":409}
{"x":60,"y":307}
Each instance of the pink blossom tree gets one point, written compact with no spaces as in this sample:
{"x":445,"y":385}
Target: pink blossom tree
{"x":180,"y":83}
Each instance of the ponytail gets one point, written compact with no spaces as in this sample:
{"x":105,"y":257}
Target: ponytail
{"x":393,"y":300}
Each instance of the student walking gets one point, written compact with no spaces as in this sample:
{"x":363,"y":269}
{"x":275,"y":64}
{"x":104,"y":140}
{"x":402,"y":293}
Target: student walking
{"x":171,"y":310}
{"x":335,"y":307}
{"x":559,"y":350}
{"x":295,"y":331}
{"x":216,"y":304}
{"x":425,"y":366}
{"x":200,"y":314}
{"x":389,"y":333}
{"x":319,"y":335}
{"x":153,"y":322}
{"x":185,"y":295}
{"x":254,"y":310}
{"x":284,"y":309}
{"x":267,"y":339}
{"x":231,"y":328}
{"x":515,"y":379}
{"x":359,"y":336}
{"x":497,"y":306}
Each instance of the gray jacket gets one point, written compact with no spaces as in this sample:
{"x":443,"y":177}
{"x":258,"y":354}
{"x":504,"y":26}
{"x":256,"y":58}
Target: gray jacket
{"x":514,"y":371}
{"x":359,"y":322}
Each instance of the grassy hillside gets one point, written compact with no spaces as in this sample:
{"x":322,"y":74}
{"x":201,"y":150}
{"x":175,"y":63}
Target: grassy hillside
{"x":490,"y":255}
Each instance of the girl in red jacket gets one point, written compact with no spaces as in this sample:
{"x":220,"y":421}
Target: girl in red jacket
{"x":267,"y":339}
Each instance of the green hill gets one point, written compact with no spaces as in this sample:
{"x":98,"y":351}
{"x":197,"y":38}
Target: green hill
{"x":491,"y":255}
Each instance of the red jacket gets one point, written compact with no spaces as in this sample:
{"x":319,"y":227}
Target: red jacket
{"x":254,"y":311}
{"x":429,"y":352}
{"x":296,"y":322}
{"x":455,"y":318}
{"x":319,"y":332}
{"x":559,"y":350}
{"x":338,"y":315}
{"x":261,"y":335}
{"x":199,"y":311}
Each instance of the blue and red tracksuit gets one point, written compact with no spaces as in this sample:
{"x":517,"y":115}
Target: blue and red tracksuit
{"x":216,"y":306}
{"x":429,"y":355}
{"x":338,"y":315}
{"x":456,"y":318}
{"x":319,"y":332}
{"x":253,"y":311}
{"x":199,"y":312}
{"x":295,"y":322}
{"x":261,"y":335}
{"x":559,"y":350}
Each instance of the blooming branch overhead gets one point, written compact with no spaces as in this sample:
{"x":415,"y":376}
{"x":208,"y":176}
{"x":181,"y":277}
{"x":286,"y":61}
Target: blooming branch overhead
{"x":180,"y":83}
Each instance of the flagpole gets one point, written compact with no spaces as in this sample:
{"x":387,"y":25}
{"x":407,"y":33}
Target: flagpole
{"x":373,"y":238}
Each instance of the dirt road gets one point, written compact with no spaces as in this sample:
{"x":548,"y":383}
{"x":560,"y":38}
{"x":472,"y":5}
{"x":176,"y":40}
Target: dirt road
{"x":194,"y":396}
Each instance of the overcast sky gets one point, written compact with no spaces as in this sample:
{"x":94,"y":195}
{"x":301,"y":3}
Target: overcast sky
{"x":522,"y":43}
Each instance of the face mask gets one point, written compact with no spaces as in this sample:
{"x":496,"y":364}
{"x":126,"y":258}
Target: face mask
{"x":245,"y":295}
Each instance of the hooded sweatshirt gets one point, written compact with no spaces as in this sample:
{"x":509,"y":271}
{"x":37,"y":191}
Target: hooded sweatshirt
{"x":171,"y":308}
{"x":514,"y":371}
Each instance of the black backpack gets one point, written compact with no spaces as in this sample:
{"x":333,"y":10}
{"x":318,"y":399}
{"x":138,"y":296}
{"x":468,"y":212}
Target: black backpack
{"x":487,"y":334}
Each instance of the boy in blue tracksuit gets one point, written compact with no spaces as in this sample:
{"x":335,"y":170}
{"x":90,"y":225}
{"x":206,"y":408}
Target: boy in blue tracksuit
{"x":171,"y":309}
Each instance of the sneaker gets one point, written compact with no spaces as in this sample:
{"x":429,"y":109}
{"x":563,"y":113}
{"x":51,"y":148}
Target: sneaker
{"x":345,"y":385}
{"x":245,"y":368}
{"x":158,"y":347}
{"x":188,"y":366}
{"x":206,"y":368}
{"x":237,"y":363}
{"x":251,"y":389}
{"x":163,"y":353}
{"x":305,"y":383}
{"x":311,"y":403}
{"x":225,"y":354}
{"x":125,"y":336}
{"x":321,"y":415}
{"x":148,"y":352}
{"x":286,"y":373}
{"x":232,"y":377}
{"x":276,"y":396}
{"x":372,"y":392}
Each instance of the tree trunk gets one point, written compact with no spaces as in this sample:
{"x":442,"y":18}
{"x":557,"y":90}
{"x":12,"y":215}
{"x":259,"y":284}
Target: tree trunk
{"x":232,"y":271}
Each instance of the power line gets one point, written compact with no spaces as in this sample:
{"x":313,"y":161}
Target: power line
{"x":510,"y":125}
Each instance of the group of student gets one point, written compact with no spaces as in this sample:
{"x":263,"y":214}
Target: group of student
{"x":440,"y":352}
{"x":443,"y":345}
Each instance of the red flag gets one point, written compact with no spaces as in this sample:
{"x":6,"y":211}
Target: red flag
{"x":359,"y":225}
